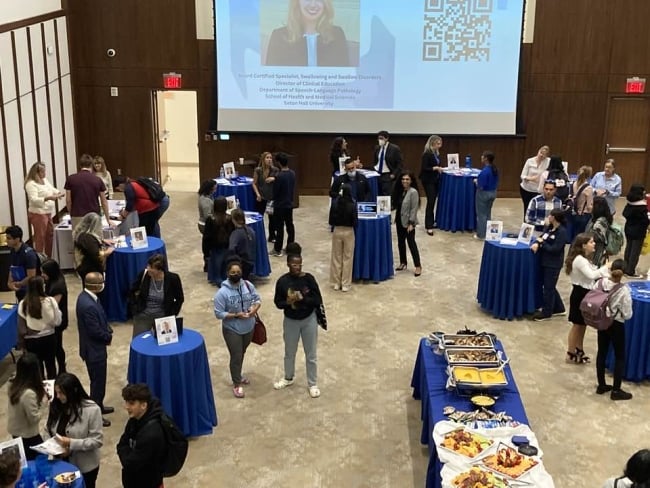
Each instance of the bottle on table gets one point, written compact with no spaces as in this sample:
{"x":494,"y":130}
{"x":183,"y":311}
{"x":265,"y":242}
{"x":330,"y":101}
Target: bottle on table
{"x":222,"y":173}
{"x":468,"y":161}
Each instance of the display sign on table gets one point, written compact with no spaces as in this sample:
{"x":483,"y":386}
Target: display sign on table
{"x":383,"y":205}
{"x":525,"y":233}
{"x":15,"y":446}
{"x":342,"y":161}
{"x":452,"y":161}
{"x":493,"y":231}
{"x":367,"y":209}
{"x":231,"y":203}
{"x":139,"y":238}
{"x":229,"y":170}
{"x":166,"y":330}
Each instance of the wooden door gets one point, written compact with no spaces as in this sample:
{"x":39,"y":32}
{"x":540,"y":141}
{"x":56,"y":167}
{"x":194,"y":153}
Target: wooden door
{"x":627,"y":139}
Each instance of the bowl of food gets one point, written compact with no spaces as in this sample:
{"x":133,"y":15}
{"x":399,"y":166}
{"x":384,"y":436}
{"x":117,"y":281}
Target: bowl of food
{"x":65,"y":479}
{"x":484,"y":401}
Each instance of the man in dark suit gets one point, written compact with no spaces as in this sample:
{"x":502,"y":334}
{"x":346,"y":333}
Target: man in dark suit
{"x":388,"y":162}
{"x":94,"y":335}
{"x":359,"y":186}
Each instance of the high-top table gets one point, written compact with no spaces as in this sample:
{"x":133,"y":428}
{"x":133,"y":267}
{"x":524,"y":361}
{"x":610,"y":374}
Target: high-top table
{"x":456,"y":206}
{"x":8,"y":328}
{"x":262,"y":267}
{"x":373,"y":249}
{"x":241,"y":187}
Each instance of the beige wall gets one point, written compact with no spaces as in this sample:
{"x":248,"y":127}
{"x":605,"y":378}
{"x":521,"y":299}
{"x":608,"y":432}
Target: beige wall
{"x":14,"y":10}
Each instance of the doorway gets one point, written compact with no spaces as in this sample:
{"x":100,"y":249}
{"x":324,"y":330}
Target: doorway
{"x":176,"y":139}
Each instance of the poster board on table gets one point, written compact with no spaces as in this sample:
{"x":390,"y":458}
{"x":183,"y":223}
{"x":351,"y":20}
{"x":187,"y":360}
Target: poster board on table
{"x":452,"y":161}
{"x":231,"y":203}
{"x":493,"y":230}
{"x":166,"y":330}
{"x":526,"y":233}
{"x":383,"y":205}
{"x":229,"y":170}
{"x":15,"y":446}
{"x":139,"y":237}
{"x":342,"y":161}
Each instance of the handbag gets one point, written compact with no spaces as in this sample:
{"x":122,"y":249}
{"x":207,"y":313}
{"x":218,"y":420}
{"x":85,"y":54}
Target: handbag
{"x":321,"y":317}
{"x":645,"y":249}
{"x":259,"y":331}
{"x":269,"y":208}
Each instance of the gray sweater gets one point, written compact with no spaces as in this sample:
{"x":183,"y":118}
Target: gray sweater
{"x":409,"y":213}
{"x":23,"y":418}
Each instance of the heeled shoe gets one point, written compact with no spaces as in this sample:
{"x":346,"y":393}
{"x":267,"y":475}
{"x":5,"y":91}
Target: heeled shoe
{"x":401,"y":267}
{"x":571,"y":357}
{"x":418,"y":271}
{"x":430,"y":232}
{"x":581,"y":358}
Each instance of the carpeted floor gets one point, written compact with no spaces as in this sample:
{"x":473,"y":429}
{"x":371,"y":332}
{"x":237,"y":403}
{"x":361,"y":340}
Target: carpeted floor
{"x":364,"y":430}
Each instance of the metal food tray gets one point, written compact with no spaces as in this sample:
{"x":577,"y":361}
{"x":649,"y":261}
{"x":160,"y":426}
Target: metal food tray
{"x":468,"y":362}
{"x":451,"y":341}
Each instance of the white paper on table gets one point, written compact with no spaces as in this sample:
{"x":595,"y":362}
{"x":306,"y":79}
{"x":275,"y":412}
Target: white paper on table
{"x":452,"y":161}
{"x":166,"y":330}
{"x":526,"y":233}
{"x":50,"y":447}
{"x":383,"y":205}
{"x":229,"y":169}
{"x":222,"y":181}
{"x":508,"y":241}
{"x":493,"y":230}
{"x":139,"y":237}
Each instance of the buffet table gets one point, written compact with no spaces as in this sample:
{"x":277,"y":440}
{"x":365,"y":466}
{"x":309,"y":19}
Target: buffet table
{"x":8,"y":328}
{"x":241,"y":187}
{"x":373,"y":249}
{"x":429,"y":385}
{"x":456,"y":206}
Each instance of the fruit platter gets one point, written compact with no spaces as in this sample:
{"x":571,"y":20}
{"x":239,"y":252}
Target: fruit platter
{"x":508,"y":462}
{"x":466,"y":443}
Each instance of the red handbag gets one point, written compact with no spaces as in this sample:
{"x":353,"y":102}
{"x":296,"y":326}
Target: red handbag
{"x":259,"y":331}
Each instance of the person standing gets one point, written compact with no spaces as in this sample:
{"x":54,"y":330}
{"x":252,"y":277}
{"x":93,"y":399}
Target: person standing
{"x":41,"y":196}
{"x":84,"y":191}
{"x":550,"y":246}
{"x":297,"y":294}
{"x":620,"y":307}
{"x":540,"y":206}
{"x":99,"y":168}
{"x":91,"y":250}
{"x":236,"y":304}
{"x":138,"y":200}
{"x":55,"y":287}
{"x":206,"y":205}
{"x":24,"y":262}
{"x":601,"y":220}
{"x":343,"y":218}
{"x":608,"y":184}
{"x":141,"y":447}
{"x":388,"y":163}
{"x":358,"y":183}
{"x":242,"y":242}
{"x":216,"y":239}
{"x":530,"y":176}
{"x":407,"y":202}
{"x":283,"y":189}
{"x":430,"y":178}
{"x":486,"y":193}
{"x":636,"y":227}
{"x":583,"y":201}
{"x":94,"y":335}
{"x":263,"y":179}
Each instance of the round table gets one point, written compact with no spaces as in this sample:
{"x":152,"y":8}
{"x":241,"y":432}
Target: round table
{"x":241,"y":187}
{"x":8,"y":328}
{"x":456,"y":206}
{"x":179,"y":375}
{"x":373,"y":182}
{"x":58,"y":467}
{"x":509,"y":283}
{"x":262,"y":266}
{"x":637,"y":335}
{"x":122,"y":268}
{"x":373,"y":249}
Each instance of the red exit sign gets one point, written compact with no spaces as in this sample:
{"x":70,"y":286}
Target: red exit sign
{"x":172,"y":81}
{"x":635,"y":85}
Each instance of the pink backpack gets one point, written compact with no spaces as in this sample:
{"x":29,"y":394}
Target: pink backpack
{"x":595,"y":304}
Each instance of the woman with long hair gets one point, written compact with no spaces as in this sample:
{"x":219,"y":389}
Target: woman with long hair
{"x":206,"y":205}
{"x":583,"y":201}
{"x":406,"y":199}
{"x":41,"y":196}
{"x":636,"y":227}
{"x":583,"y":275}
{"x":242,"y":242}
{"x":530,"y":176}
{"x":620,"y":306}
{"x":26,"y":395}
{"x":55,"y":287}
{"x":430,"y":178}
{"x":216,"y":239}
{"x":343,"y":219}
{"x":338,"y":149}
{"x":263,"y":179}
{"x":99,"y":169}
{"x":91,"y":250}
{"x":75,"y":421}
{"x":486,"y":192}
{"x":601,"y":220}
{"x":310,"y":38}
{"x":41,"y":316}
{"x":636,"y":474}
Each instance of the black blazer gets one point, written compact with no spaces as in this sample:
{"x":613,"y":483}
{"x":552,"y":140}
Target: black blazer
{"x":94,"y":332}
{"x":427,"y":173}
{"x":173,"y":297}
{"x":281,"y":52}
{"x":362,"y":185}
{"x":392,"y":157}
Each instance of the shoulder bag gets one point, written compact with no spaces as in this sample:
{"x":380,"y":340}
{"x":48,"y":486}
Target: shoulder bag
{"x":259,"y":330}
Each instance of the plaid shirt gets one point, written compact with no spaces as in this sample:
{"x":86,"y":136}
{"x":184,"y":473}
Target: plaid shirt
{"x":538,"y":210}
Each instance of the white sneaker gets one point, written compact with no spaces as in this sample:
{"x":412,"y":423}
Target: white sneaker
{"x":336,"y":287}
{"x":314,"y":392}
{"x":283,"y":383}
{"x":345,"y":288}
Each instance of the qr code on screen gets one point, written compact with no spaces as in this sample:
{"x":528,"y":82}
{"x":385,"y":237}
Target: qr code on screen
{"x":457,"y":30}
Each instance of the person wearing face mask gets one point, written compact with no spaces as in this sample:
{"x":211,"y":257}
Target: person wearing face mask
{"x":94,"y":335}
{"x":236,"y":304}
{"x":388,"y":162}
{"x":359,"y":186}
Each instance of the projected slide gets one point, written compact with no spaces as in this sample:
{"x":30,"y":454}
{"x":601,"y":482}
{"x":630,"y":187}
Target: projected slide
{"x":355,"y":66}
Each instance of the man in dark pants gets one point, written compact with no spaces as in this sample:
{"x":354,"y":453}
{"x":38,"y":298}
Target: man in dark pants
{"x":388,"y":163}
{"x":24,"y":262}
{"x":283,"y":188}
{"x":94,"y":335}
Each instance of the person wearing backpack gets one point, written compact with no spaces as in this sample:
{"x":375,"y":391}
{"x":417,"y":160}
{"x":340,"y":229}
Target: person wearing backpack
{"x":139,"y":200}
{"x":620,"y":306}
{"x":555,"y":172}
{"x":583,"y":275}
{"x":142,"y":446}
{"x":599,"y":225}
{"x":25,"y":263}
{"x":636,"y":226}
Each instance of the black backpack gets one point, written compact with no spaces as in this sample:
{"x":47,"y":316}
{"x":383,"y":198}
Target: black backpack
{"x":154,"y":189}
{"x":176,"y":446}
{"x":562,"y":185}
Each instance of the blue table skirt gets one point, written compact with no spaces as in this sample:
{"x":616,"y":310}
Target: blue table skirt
{"x":637,"y":336}
{"x":509,"y":282}
{"x":59,"y":467}
{"x":456,"y":207}
{"x":242,"y":188}
{"x":373,"y":181}
{"x":8,"y":329}
{"x":429,"y":385}
{"x":262,"y":265}
{"x":179,"y":375}
{"x":122,"y":268}
{"x":373,"y":249}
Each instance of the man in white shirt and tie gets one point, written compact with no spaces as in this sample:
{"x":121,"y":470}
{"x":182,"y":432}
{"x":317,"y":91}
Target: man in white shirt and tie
{"x":388,"y":162}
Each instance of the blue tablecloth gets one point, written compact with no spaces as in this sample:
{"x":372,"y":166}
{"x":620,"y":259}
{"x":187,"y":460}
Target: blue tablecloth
{"x":509,"y":282}
{"x":637,"y":335}
{"x":179,"y":375}
{"x":59,"y":467}
{"x":373,"y":249}
{"x":456,"y":207}
{"x":242,"y":188}
{"x":122,"y":268}
{"x":262,"y":265}
{"x":373,"y":181}
{"x":8,"y":329}
{"x":429,"y":381}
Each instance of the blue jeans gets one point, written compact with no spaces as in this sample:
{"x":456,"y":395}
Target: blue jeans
{"x":552,"y":300}
{"x":484,"y":201}
{"x":164,"y":205}
{"x":216,"y":268}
